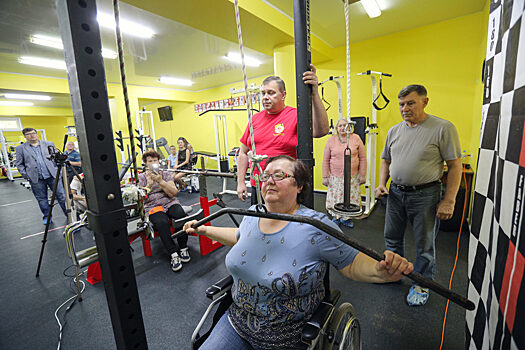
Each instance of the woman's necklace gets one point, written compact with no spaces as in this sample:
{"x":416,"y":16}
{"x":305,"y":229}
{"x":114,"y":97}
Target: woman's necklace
{"x":341,"y":140}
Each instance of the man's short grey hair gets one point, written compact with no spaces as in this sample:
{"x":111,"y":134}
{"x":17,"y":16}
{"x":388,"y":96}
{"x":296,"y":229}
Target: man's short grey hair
{"x":407,"y":90}
{"x":278,"y":80}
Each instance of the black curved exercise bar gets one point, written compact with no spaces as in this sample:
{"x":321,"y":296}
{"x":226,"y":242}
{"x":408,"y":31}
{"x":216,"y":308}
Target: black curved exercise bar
{"x":227,"y":110}
{"x":415,"y":276}
{"x":202,"y":172}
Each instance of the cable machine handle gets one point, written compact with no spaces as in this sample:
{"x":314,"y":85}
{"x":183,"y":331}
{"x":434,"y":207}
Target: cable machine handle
{"x":415,"y":276}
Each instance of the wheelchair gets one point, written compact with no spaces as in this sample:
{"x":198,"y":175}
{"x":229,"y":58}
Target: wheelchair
{"x":328,"y":329}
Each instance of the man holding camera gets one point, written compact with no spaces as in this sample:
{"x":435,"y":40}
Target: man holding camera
{"x":34,"y":164}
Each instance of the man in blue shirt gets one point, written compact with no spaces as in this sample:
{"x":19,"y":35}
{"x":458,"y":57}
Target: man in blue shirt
{"x":33,"y":163}
{"x":74,"y":161}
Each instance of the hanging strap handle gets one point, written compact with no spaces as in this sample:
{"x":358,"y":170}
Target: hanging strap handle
{"x":381,"y":94}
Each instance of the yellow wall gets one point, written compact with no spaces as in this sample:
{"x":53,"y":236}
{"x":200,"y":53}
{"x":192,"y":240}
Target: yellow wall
{"x":446,"y":57}
{"x":54,"y":127}
{"x":199,"y":130}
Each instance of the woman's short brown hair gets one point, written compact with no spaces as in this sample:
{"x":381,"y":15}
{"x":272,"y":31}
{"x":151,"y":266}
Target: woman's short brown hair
{"x":152,"y":154}
{"x":301,"y":175}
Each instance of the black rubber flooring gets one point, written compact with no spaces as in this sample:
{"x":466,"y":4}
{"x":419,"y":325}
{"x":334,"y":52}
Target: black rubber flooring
{"x":172,"y":303}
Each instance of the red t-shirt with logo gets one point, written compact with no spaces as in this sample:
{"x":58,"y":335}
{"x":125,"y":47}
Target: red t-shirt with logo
{"x":274,"y":134}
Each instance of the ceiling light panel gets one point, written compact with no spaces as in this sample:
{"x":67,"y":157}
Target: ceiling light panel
{"x":43,"y":62}
{"x":248,"y":60}
{"x":47,"y":41}
{"x":127,"y":27}
{"x":56,"y":43}
{"x":175,"y":81}
{"x":371,"y":7}
{"x":16,"y":103}
{"x":27,"y":97}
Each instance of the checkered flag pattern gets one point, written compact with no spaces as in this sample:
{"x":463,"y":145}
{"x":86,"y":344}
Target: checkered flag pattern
{"x":497,"y":246}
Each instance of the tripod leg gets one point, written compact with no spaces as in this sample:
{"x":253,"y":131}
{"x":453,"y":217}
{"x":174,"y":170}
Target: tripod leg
{"x":68,"y":195}
{"x":44,"y":240}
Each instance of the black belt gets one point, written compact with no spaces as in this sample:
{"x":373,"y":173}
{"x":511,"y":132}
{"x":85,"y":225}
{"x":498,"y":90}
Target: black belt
{"x":406,"y":188}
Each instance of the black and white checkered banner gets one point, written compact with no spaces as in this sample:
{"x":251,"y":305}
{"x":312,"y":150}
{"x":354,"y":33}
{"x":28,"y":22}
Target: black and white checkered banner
{"x":497,"y":246}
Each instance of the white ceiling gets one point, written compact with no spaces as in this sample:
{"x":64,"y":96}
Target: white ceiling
{"x":176,"y":50}
{"x":181,"y":50}
{"x":328,"y":18}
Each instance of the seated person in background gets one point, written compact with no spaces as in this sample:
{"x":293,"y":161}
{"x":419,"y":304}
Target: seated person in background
{"x":188,"y":146}
{"x":182,"y":162}
{"x":161,"y":205}
{"x":193,"y":157}
{"x":172,"y":158}
{"x":278,"y":267}
{"x":79,"y":199}
{"x":74,"y":161}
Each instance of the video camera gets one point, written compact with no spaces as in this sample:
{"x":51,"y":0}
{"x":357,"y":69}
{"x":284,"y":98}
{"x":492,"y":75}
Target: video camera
{"x":57,"y":156}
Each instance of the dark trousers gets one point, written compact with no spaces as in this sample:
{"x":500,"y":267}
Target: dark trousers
{"x":161,"y":224}
{"x":40,"y":192}
{"x":70,"y":173}
{"x":419,"y":208}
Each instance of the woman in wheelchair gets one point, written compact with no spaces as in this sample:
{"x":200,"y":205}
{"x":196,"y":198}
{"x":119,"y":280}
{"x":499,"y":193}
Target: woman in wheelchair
{"x":161,"y":205}
{"x":278,"y":267}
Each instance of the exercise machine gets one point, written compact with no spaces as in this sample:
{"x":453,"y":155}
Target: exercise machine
{"x":8,"y":153}
{"x":6,"y":158}
{"x":371,"y":140}
{"x":139,"y":119}
{"x":221,"y":142}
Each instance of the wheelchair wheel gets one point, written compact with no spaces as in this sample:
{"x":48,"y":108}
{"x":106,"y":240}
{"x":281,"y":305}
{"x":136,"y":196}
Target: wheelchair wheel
{"x":344,"y":331}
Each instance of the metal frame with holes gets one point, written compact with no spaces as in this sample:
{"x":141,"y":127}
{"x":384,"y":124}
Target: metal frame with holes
{"x":107,"y":218}
{"x":303,"y":57}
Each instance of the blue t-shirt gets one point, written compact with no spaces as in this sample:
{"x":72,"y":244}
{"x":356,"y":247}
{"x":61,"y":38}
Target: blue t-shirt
{"x":172,"y":159}
{"x":73,"y":156}
{"x":43,"y":172}
{"x":278,"y":278}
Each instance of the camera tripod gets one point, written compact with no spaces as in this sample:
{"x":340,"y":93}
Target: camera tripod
{"x":61,"y":162}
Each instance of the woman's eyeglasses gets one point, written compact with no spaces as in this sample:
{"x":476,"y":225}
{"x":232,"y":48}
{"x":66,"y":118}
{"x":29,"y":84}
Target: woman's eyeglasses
{"x":276,"y":177}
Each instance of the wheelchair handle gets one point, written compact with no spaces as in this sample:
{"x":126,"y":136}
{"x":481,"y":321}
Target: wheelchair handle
{"x":415,"y":276}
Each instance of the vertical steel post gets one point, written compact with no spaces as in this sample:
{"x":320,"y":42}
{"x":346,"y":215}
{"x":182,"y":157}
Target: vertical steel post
{"x":106,"y":215}
{"x":303,"y":56}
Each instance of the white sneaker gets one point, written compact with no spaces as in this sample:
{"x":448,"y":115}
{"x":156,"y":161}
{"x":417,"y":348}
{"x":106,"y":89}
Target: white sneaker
{"x":185,"y":255}
{"x":176,"y":265}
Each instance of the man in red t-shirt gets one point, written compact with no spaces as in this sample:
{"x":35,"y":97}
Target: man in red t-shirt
{"x":275,"y":128}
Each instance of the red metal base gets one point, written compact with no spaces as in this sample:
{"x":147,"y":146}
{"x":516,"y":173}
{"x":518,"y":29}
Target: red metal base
{"x":94,"y":275}
{"x":206,"y":245}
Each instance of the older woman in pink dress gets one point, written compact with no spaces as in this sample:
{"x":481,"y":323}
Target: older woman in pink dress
{"x":333,"y":169}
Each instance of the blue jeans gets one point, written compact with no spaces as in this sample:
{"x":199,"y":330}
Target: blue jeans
{"x":40,"y":192}
{"x":224,"y":337}
{"x":418,"y":208}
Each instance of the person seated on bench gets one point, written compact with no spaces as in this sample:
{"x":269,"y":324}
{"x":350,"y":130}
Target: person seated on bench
{"x":77,"y":191}
{"x":278,"y":267}
{"x":161,"y":205}
{"x":172,"y":158}
{"x":182,"y":162}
